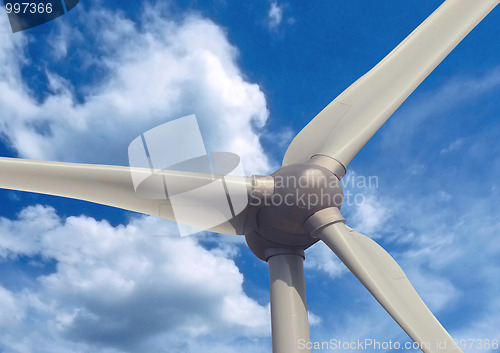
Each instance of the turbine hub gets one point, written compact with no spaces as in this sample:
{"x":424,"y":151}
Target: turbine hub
{"x":283,"y":201}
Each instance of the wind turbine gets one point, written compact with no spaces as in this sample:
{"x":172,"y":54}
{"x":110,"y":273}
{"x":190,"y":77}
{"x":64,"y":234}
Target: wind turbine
{"x":279,"y":232}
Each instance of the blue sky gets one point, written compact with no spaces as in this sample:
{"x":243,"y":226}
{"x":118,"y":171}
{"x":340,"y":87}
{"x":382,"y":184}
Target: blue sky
{"x":81,"y":277}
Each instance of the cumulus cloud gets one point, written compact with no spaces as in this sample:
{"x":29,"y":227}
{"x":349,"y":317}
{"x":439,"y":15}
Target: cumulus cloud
{"x":123,"y":288}
{"x":145,"y":74}
{"x":119,"y":288}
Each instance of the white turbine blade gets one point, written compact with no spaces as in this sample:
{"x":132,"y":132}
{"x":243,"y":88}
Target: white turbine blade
{"x":113,"y":186}
{"x":346,"y":124}
{"x":387,"y":282}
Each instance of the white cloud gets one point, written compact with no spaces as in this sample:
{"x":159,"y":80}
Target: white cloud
{"x":454,"y":146}
{"x":444,"y":196}
{"x":314,"y":320}
{"x":119,"y":288}
{"x":275,"y":15}
{"x":153,"y":71}
{"x":11,"y":314}
{"x":424,"y":110}
{"x":122,"y":288}
{"x":369,"y":216}
{"x":437,"y":292}
{"x":482,"y":334}
{"x":319,"y":257}
{"x":437,"y":247}
{"x":101,"y":268}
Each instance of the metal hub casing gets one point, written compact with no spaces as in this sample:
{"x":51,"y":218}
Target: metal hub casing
{"x":281,"y":203}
